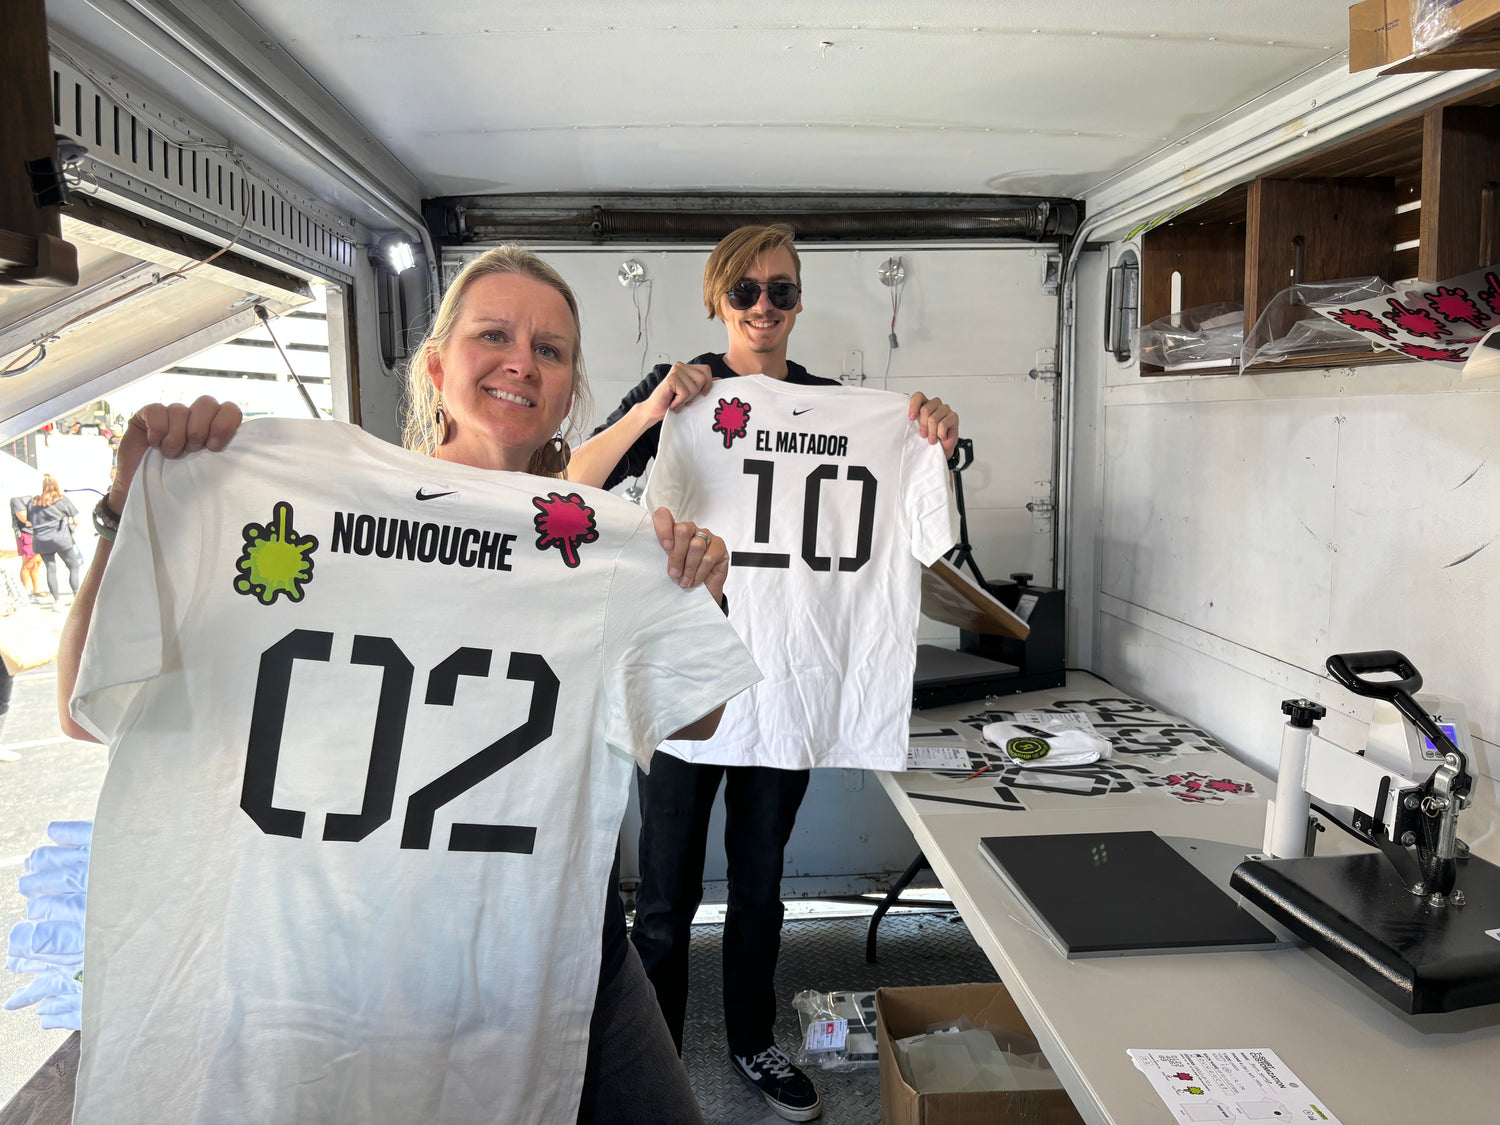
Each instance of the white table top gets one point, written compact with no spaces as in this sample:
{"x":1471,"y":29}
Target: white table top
{"x":1366,"y":1061}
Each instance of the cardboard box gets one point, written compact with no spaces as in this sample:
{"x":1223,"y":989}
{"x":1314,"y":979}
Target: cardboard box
{"x":901,"y":1012}
{"x":1380,"y":34}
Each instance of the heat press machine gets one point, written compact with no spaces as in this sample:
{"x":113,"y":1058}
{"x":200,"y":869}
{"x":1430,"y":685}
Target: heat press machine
{"x":1418,"y":920}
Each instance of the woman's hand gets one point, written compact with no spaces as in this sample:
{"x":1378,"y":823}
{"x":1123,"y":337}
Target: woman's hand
{"x":684,"y":383}
{"x":174,"y":429}
{"x":695,"y":556}
{"x":936,"y":420}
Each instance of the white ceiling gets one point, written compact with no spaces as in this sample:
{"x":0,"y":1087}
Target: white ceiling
{"x":1045,"y":96}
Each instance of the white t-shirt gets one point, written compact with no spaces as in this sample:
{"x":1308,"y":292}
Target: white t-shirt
{"x":830,"y":500}
{"x":372,"y":719}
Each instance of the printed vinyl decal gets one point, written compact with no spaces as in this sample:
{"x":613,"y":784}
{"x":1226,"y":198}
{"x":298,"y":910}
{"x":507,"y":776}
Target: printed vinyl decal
{"x":732,"y":419}
{"x":1135,"y":730}
{"x":276,"y":560}
{"x":564,"y":522}
{"x":1439,"y":321}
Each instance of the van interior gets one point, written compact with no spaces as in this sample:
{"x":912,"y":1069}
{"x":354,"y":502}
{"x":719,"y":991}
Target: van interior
{"x":1093,"y":228}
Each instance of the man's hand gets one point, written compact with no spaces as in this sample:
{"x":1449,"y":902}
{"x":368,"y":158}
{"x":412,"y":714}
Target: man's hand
{"x":695,"y":556}
{"x":936,"y":420}
{"x":175,"y":430}
{"x":684,"y":383}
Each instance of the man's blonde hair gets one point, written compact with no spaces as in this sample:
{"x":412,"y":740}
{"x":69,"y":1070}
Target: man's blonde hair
{"x":737,"y":252}
{"x":422,"y":432}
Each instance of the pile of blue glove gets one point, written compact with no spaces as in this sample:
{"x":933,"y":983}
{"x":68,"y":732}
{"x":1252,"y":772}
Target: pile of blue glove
{"x":50,"y":942}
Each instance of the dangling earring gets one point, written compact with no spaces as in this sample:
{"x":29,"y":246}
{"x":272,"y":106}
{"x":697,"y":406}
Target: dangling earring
{"x":440,"y":422}
{"x":555,"y":455}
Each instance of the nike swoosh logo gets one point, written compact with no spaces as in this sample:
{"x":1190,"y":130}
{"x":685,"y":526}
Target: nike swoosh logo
{"x":804,"y":410}
{"x":431,"y":495}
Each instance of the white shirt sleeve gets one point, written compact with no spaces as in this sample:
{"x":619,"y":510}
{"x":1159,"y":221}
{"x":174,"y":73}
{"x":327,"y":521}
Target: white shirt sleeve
{"x":670,"y":654}
{"x":926,"y":498}
{"x":145,"y":588}
{"x":673,"y":484}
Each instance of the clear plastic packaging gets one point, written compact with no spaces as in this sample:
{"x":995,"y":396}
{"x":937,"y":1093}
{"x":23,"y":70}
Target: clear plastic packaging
{"x":1202,"y":335}
{"x":1290,"y":329}
{"x":838,"y":1031}
{"x":1433,"y":24}
{"x":957,"y":1056}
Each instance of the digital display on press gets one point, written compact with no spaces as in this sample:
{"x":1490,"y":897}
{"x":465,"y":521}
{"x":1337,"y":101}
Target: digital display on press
{"x":1447,"y":728}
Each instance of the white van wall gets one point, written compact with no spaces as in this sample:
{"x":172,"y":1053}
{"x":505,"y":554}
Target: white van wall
{"x":1245,"y":528}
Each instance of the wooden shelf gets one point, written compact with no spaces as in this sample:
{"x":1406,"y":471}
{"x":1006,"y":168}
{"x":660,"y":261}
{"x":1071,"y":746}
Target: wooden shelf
{"x":1417,"y":198}
{"x":32,"y":251}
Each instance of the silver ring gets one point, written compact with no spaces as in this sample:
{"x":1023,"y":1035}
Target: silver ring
{"x":705,"y":536}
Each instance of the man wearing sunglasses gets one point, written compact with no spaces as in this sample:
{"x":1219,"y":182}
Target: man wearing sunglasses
{"x":752,"y":282}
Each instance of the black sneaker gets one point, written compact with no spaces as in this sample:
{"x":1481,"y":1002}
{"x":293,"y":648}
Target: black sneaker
{"x":788,"y":1091}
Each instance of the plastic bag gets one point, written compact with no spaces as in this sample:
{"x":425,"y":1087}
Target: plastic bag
{"x":1290,"y":329}
{"x":956,"y":1056}
{"x":1205,"y":334}
{"x":1433,"y":24}
{"x":838,"y":1030}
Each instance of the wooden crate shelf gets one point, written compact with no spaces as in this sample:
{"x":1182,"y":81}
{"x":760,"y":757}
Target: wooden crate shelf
{"x":1429,"y":184}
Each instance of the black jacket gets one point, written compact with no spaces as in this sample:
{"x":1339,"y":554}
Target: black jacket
{"x":633,"y":464}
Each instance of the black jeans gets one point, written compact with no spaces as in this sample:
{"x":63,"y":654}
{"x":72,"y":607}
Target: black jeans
{"x":761,"y":806}
{"x":71,"y":558}
{"x":631,"y":1076}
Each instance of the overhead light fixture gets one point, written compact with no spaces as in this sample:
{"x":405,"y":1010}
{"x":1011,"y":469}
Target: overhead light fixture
{"x":398,"y":253}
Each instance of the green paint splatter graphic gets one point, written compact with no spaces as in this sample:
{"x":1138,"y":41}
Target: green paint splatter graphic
{"x":276,"y":559}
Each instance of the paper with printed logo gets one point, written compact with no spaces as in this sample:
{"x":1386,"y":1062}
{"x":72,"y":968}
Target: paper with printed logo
{"x":1250,"y":1084}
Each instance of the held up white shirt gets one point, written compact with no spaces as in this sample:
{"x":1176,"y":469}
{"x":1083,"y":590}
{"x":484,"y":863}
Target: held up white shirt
{"x":830,"y":501}
{"x":372,"y":719}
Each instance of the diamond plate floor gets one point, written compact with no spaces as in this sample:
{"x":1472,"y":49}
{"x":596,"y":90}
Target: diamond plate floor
{"x":828,"y":955}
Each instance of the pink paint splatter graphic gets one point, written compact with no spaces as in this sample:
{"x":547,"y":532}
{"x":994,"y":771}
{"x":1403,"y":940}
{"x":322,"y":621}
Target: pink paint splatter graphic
{"x":1457,"y":307}
{"x":1490,"y":294}
{"x":731,"y":417}
{"x":1363,"y":320}
{"x":1414,"y":322}
{"x":564,"y":522}
{"x":1425,"y":351}
{"x":1199,"y":788}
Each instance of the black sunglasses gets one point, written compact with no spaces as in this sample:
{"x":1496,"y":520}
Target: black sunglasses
{"x":783,"y":294}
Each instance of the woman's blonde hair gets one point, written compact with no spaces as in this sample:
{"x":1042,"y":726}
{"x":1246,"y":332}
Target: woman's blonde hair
{"x":736,"y":252}
{"x":51,"y":491}
{"x":425,"y":426}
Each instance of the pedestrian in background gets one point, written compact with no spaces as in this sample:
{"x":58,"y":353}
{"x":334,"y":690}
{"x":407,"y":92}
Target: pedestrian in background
{"x":31,"y":562}
{"x":53,"y":517}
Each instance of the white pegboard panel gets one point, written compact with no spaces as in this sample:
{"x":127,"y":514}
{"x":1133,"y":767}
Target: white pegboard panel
{"x":144,"y":151}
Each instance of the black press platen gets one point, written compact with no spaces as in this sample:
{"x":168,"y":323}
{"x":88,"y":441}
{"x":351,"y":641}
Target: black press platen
{"x":1303,"y":712}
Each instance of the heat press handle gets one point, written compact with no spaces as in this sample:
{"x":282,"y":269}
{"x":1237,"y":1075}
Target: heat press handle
{"x":1346,"y":668}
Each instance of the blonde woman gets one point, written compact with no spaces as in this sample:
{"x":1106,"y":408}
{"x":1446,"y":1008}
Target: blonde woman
{"x":490,"y":389}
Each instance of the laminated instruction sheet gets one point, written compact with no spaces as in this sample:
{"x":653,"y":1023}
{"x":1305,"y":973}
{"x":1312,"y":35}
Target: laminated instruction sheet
{"x":1251,"y":1084}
